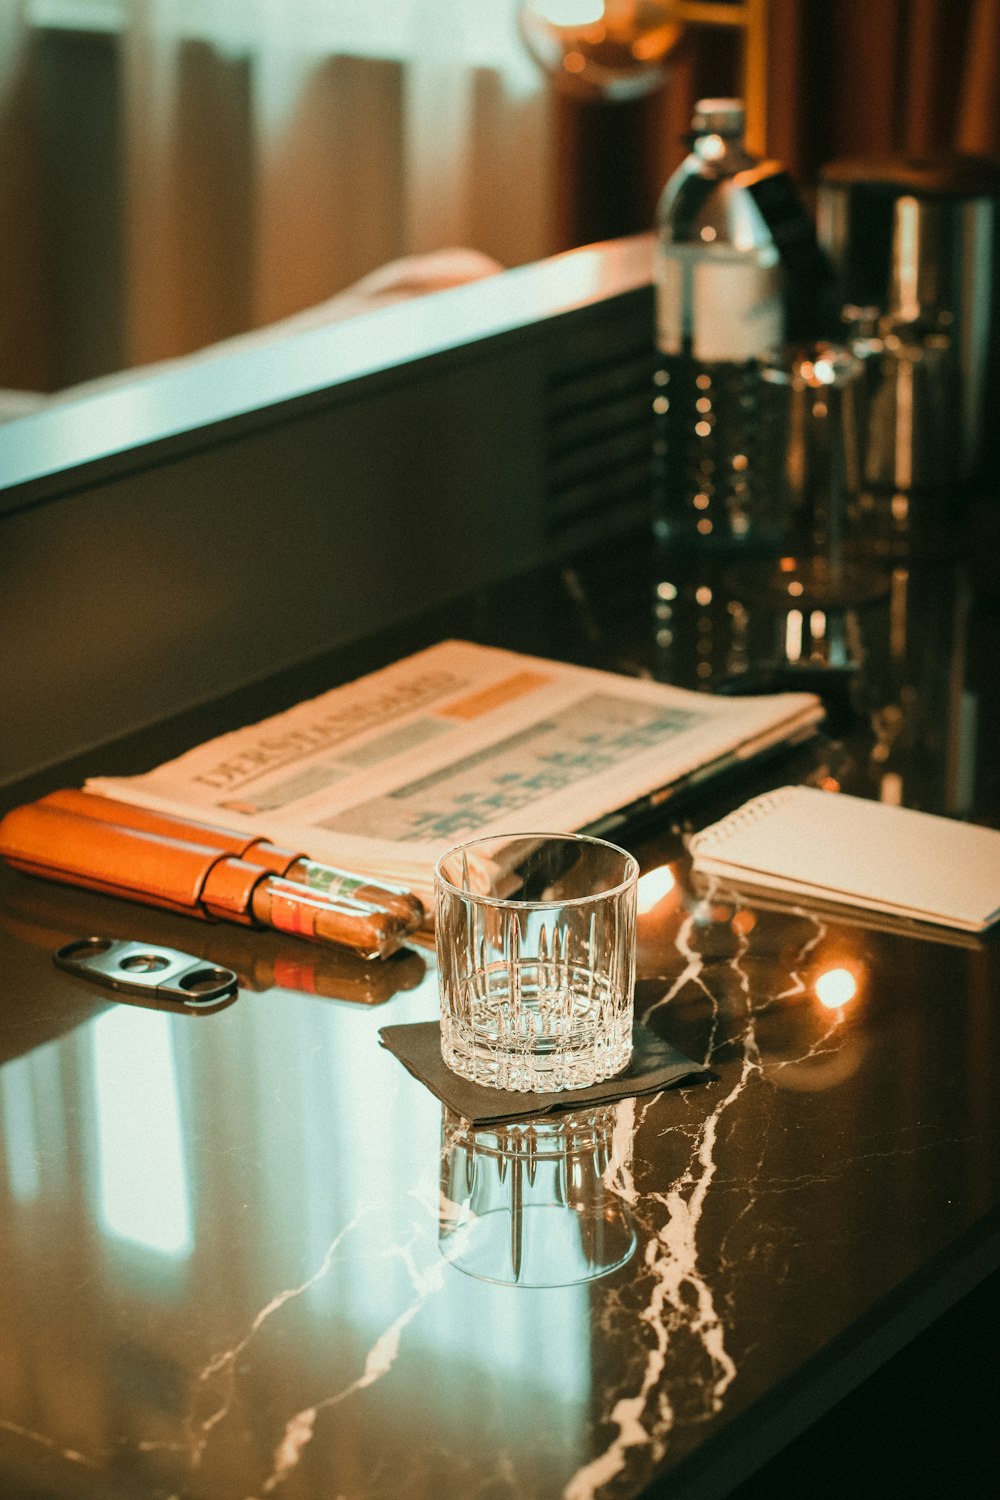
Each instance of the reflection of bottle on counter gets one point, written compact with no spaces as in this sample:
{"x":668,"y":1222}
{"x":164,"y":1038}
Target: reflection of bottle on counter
{"x":738,"y":270}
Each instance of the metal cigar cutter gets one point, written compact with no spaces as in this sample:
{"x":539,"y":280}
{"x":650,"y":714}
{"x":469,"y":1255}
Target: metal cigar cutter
{"x":147,"y":969}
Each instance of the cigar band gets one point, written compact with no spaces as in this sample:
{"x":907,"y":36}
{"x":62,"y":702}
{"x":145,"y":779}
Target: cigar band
{"x":291,"y":914}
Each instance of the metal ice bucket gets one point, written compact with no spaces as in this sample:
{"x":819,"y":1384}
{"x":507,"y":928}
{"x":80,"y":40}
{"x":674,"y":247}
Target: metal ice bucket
{"x":914,"y":241}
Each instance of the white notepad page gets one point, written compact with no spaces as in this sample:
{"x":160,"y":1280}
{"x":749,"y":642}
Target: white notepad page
{"x":840,"y":848}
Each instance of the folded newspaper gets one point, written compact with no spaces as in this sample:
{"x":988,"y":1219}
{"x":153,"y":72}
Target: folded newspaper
{"x":383,"y":774}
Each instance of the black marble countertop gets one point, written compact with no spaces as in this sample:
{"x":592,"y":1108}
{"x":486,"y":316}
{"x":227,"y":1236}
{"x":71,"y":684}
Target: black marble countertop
{"x":235,"y":1258}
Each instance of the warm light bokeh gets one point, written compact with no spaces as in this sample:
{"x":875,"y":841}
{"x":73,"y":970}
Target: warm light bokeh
{"x":835,"y":987}
{"x":610,"y":49}
{"x":653,"y":886}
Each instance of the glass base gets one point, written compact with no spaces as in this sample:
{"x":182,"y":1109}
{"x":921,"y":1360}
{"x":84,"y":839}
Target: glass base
{"x":544,"y":1245}
{"x":571,"y":1042}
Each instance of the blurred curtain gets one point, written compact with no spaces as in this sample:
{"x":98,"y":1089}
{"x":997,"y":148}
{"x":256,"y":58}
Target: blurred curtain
{"x":26,"y":334}
{"x":267,"y":153}
{"x":346,"y":135}
{"x":852,"y":78}
{"x":844,"y":78}
{"x":218,"y":164}
{"x":327,"y":139}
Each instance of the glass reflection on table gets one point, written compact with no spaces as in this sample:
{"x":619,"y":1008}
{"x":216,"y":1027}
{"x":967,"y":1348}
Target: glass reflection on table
{"x":534,"y":1203}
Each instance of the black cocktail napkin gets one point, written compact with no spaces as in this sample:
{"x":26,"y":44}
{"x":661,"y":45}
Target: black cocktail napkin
{"x":655,"y":1065}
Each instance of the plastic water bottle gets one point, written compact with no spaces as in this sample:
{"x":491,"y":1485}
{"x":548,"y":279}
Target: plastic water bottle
{"x":738,"y":270}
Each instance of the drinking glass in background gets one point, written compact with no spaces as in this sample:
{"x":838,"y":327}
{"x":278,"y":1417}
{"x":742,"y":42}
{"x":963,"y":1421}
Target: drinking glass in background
{"x":535,"y":939}
{"x":532,"y":1203}
{"x":813,"y":432}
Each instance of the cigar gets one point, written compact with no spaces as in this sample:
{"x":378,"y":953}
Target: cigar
{"x":48,"y":917}
{"x":292,"y":865}
{"x":191,"y":878}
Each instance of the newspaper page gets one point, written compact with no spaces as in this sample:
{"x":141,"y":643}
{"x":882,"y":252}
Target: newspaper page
{"x":381,"y":775}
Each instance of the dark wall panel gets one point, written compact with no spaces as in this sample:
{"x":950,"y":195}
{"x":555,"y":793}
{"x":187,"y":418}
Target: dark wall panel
{"x":167,"y":576}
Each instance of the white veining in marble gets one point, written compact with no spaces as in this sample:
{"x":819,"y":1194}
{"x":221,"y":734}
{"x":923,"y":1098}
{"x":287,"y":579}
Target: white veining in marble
{"x":618,"y":1176}
{"x":39,"y":1438}
{"x":680,"y":1297}
{"x":379,"y":1360}
{"x":224,"y":1362}
{"x":678,"y":1366}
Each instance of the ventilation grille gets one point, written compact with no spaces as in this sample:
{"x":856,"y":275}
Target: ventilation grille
{"x":599,"y":444}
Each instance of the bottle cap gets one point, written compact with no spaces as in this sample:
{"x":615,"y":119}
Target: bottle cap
{"x":719,"y":116}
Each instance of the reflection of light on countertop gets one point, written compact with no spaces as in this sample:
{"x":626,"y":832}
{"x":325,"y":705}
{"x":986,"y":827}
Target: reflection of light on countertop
{"x":17,"y":1114}
{"x":653,"y":886}
{"x":744,"y":921}
{"x":144,"y":1191}
{"x":809,"y":1050}
{"x":890,"y":789}
{"x":835,"y":987}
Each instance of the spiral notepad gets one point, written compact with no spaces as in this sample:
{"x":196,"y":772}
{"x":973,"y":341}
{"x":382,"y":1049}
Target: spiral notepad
{"x":834,"y":847}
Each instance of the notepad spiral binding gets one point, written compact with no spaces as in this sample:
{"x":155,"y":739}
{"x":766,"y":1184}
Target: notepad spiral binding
{"x":719,"y":833}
